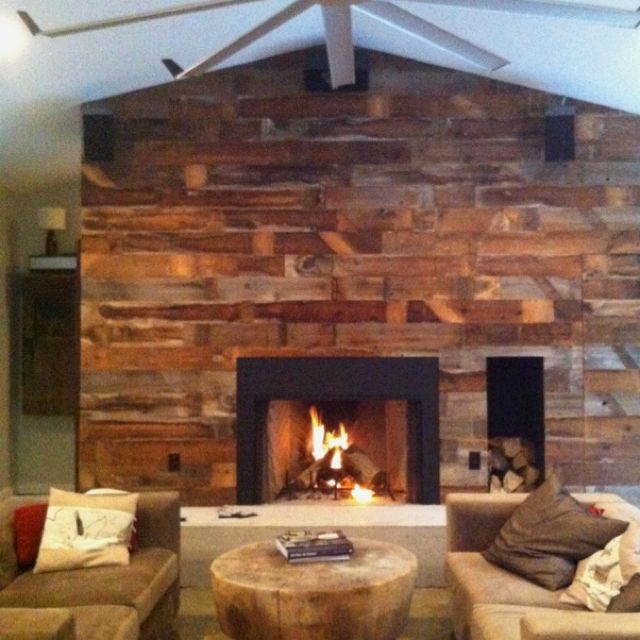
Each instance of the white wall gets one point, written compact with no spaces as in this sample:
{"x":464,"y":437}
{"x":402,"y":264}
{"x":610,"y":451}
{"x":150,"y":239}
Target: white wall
{"x":44,"y":447}
{"x":5,"y":434}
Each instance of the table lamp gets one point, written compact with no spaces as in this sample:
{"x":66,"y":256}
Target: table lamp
{"x":52,"y":219}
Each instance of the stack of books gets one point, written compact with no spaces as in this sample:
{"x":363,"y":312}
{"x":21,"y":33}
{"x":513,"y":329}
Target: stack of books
{"x":305,"y":546}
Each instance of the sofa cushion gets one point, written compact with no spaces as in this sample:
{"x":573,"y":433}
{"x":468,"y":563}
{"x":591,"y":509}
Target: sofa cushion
{"x":507,"y":622}
{"x":8,"y":561}
{"x":496,"y":622}
{"x":474,"y":580}
{"x":37,"y":624}
{"x":85,"y":531}
{"x":548,"y":533}
{"x":105,"y":622}
{"x":139,"y":584}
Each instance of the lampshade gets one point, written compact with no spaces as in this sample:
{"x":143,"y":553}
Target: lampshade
{"x":52,"y":218}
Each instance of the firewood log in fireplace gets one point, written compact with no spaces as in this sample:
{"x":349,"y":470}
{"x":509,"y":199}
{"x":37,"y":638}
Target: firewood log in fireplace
{"x":362,"y":468}
{"x":355,"y":463}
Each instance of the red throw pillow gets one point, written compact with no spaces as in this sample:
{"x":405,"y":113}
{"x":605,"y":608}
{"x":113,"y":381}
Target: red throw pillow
{"x":28,"y":523}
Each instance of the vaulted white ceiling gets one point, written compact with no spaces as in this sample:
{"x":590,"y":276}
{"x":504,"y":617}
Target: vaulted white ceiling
{"x":44,"y":79}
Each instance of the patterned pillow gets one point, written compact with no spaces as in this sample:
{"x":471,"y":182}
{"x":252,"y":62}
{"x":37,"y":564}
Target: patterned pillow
{"x":86,"y":531}
{"x":598,"y":579}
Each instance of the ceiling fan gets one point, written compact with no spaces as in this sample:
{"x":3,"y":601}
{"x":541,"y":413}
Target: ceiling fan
{"x":336,"y":15}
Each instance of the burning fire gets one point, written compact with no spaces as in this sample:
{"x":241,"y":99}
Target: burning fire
{"x":324,"y":441}
{"x":362,"y":495}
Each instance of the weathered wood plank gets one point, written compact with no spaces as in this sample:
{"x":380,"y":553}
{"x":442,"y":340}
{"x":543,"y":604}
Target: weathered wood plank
{"x":418,"y":339}
{"x":177,"y":265}
{"x":305,"y":106}
{"x":390,"y":265}
{"x":478,"y":150}
{"x":151,"y":358}
{"x":535,"y":266}
{"x":373,"y":196}
{"x":468,"y":105}
{"x":278,"y":152}
{"x":559,"y":196}
{"x":481,"y":311}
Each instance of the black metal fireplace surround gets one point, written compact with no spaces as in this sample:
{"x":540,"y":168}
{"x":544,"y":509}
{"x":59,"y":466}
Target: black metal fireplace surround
{"x":415,"y":380}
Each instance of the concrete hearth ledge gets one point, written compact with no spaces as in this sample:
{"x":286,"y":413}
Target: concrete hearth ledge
{"x":419,"y":528}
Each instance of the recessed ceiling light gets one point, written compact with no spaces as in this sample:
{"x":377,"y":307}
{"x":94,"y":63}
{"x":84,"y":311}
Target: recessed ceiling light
{"x":13,"y":36}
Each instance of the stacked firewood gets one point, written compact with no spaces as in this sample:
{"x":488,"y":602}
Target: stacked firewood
{"x":512,"y":466}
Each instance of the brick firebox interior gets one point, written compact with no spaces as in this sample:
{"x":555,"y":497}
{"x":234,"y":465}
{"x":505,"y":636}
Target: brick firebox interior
{"x":244,"y":216}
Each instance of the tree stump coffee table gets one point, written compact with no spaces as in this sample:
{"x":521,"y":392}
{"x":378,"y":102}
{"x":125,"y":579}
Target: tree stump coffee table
{"x":260,"y":596}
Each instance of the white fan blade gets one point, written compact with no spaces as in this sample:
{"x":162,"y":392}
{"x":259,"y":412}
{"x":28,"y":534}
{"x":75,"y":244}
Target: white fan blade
{"x":337,"y":27}
{"x":392,"y":16}
{"x":606,"y":15}
{"x":128,"y":19}
{"x":275,"y":21}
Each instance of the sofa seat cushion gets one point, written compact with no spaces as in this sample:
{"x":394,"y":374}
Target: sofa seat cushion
{"x":513,"y":622}
{"x":474,"y":580}
{"x":37,"y":624}
{"x":140,"y":584}
{"x":105,"y":622}
{"x":496,"y":622}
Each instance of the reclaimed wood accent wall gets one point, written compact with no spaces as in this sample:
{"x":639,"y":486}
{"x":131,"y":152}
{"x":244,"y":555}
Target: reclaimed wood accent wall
{"x":242,"y":216}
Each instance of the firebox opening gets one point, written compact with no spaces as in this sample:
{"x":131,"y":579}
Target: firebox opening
{"x":273,"y":391}
{"x":336,"y":450}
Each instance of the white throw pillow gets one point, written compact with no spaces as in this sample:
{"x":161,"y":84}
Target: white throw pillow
{"x":630,"y":552}
{"x":86,"y":530}
{"x":598,"y":579}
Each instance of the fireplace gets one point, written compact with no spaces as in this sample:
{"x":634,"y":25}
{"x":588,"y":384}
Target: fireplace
{"x":388,"y":399}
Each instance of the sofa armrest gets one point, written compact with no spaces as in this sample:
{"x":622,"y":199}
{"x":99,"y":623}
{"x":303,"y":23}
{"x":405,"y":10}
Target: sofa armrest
{"x":579,"y":625}
{"x":158,"y":520}
{"x":474,"y":519}
{"x":37,"y":624}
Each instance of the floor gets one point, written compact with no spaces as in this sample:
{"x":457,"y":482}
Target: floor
{"x":428,"y":617}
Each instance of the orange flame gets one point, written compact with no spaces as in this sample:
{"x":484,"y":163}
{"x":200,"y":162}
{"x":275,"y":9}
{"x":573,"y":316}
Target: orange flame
{"x":318,"y":449}
{"x":362,"y":495}
{"x":336,"y":459}
{"x":324,"y":441}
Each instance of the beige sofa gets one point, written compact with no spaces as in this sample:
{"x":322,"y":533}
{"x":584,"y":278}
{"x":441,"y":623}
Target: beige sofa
{"x":139,"y":600}
{"x":491,"y":603}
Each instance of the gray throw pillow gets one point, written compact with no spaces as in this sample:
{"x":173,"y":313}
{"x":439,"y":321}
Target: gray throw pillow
{"x":628,"y":600}
{"x":548,"y":533}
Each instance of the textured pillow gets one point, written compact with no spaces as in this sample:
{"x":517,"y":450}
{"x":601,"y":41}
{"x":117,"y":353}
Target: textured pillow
{"x":547,"y":534}
{"x":628,"y":601}
{"x":28,"y":524}
{"x":630,"y":552}
{"x":134,"y":543}
{"x":598,"y":579}
{"x":86,"y":531}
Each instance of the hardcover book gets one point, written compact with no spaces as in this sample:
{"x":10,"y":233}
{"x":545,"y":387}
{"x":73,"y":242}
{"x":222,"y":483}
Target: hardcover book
{"x":306,"y":546}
